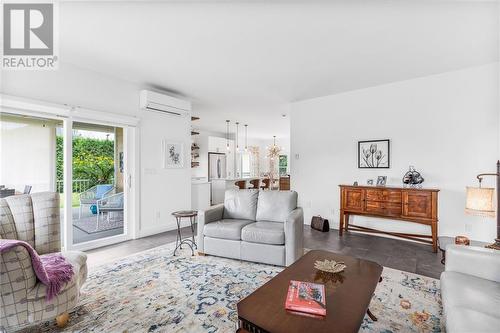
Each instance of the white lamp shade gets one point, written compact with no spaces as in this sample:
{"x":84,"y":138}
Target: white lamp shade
{"x":479,"y":201}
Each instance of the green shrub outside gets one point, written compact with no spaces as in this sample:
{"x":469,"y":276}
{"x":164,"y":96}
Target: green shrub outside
{"x":93,"y":159}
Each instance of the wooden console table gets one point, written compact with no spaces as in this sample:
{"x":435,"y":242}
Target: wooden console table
{"x":398,"y":203}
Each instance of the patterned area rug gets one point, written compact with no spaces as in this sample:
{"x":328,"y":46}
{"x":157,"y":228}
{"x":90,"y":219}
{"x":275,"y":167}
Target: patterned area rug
{"x":153,"y":291}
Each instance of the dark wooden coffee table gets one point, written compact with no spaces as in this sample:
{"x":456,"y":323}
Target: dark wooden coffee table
{"x":348,"y":295}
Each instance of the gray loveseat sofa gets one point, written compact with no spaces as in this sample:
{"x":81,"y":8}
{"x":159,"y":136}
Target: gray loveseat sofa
{"x":252,"y":225}
{"x":470,"y":289}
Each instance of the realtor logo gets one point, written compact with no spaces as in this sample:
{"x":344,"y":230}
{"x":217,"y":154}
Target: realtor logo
{"x":28,"y":36}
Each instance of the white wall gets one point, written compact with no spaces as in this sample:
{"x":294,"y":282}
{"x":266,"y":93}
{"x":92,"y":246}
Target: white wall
{"x":162,"y":191}
{"x":445,"y":125}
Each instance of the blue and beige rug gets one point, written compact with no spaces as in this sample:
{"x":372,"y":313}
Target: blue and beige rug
{"x":153,"y":291}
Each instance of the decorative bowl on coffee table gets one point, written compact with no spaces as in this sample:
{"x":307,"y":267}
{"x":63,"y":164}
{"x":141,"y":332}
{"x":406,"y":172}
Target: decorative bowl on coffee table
{"x":330,"y":266}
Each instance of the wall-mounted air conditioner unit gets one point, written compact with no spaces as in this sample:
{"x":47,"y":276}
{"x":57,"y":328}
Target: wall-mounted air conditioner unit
{"x":152,"y":101}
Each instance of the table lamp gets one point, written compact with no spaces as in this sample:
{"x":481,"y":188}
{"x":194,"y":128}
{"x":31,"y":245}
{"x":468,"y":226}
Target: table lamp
{"x":480,"y":202}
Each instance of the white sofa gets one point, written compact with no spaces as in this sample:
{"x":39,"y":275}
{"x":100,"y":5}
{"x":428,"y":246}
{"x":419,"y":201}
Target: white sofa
{"x":253,"y":225}
{"x":470,"y":289}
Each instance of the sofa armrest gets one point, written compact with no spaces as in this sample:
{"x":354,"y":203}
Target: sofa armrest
{"x":212,"y":214}
{"x":294,"y":236}
{"x":476,"y":261}
{"x":17,"y":279}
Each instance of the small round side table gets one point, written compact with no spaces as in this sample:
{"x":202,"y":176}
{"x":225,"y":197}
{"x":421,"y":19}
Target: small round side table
{"x":189,"y":241}
{"x":444,"y":241}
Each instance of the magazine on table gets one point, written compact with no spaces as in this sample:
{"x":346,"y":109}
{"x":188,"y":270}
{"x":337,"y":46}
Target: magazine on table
{"x":306,"y":297}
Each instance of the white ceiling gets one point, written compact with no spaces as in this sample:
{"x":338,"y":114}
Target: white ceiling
{"x":247,"y":61}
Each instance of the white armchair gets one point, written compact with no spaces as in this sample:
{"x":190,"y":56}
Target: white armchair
{"x":470,"y":289}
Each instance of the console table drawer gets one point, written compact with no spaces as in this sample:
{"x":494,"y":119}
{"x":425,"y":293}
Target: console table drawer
{"x":383,"y":195}
{"x":383,"y":208}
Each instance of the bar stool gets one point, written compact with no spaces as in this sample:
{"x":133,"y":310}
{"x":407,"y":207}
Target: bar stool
{"x":266,"y":182}
{"x":255,"y":183}
{"x":242,"y":184}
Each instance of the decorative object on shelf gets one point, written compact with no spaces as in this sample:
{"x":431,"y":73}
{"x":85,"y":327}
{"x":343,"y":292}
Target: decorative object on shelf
{"x":381,"y":180}
{"x":173,"y":154}
{"x":412,"y":177}
{"x":319,"y":223}
{"x":462,"y":240}
{"x":330,"y":266}
{"x":194,"y":155}
{"x":369,"y":182}
{"x":374,"y":154}
{"x":355,"y":184}
{"x":479,"y":202}
{"x":227,"y":134}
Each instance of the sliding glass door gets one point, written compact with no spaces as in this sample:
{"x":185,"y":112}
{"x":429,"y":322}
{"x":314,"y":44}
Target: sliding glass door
{"x":98,"y":198}
{"x":85,"y":161}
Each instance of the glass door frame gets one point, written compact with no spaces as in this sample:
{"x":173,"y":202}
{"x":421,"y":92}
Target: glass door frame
{"x":128,"y":186}
{"x":68,"y":115}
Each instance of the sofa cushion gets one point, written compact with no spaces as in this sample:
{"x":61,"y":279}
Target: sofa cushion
{"x":462,"y":290}
{"x":463,"y":320}
{"x":225,"y":229}
{"x":275,"y":206}
{"x":240,"y":204}
{"x":264,"y":232}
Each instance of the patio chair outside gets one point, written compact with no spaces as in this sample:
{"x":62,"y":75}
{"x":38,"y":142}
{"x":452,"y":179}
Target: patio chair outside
{"x":108,"y":204}
{"x":90,"y":196}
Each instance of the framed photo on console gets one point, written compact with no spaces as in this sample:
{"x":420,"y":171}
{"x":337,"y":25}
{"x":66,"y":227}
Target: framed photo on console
{"x":381,"y":180}
{"x":374,"y":154}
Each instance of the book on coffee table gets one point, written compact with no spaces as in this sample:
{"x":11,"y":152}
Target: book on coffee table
{"x":306,"y":297}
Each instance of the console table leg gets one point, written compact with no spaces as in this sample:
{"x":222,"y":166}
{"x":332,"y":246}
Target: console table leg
{"x":341,"y":223}
{"x":371,"y":315}
{"x":434,"y":237}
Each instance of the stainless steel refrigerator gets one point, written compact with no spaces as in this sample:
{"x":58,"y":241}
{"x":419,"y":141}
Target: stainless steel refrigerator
{"x":217,"y":167}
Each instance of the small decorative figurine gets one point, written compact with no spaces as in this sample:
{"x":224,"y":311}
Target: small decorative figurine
{"x":413,"y":177}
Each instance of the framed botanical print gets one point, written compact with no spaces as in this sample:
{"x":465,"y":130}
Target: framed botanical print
{"x":173,"y":154}
{"x":374,"y":154}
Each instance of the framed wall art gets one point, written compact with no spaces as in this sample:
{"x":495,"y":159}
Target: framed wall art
{"x":173,"y":154}
{"x":374,"y":154}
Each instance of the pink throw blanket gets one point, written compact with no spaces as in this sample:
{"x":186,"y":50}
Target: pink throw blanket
{"x":52,"y":269}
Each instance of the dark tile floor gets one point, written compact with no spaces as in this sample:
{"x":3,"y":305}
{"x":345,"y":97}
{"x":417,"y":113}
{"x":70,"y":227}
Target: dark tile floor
{"x":398,"y":254}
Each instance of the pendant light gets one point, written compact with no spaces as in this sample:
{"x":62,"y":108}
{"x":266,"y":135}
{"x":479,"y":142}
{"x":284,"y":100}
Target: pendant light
{"x":237,"y":131}
{"x":246,"y":138}
{"x":227,"y":134}
{"x":273,"y":151}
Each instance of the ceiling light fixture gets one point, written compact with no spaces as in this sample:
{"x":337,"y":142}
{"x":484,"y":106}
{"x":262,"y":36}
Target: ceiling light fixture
{"x":273,"y":151}
{"x":227,"y":134}
{"x":237,"y":133}
{"x":246,"y":138}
